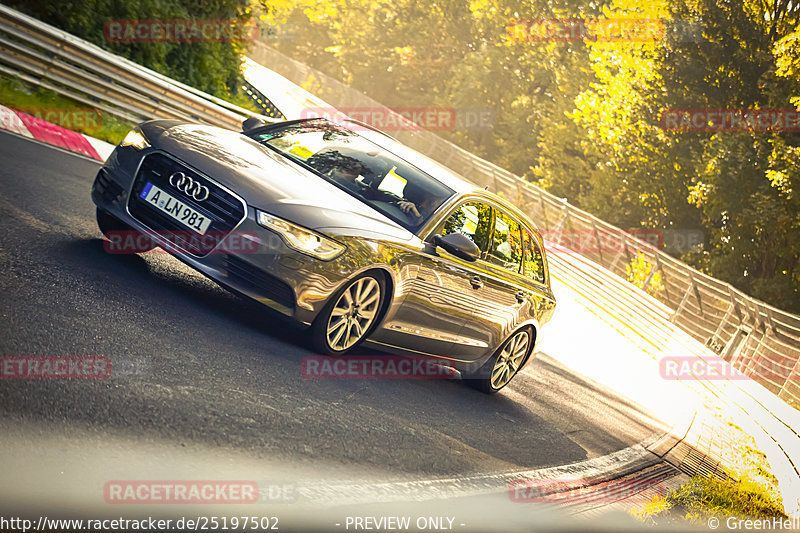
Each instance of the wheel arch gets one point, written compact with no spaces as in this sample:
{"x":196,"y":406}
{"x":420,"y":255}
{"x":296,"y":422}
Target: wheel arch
{"x":386,"y":283}
{"x":533,"y":328}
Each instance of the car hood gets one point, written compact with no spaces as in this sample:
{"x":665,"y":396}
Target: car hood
{"x":268,"y":181}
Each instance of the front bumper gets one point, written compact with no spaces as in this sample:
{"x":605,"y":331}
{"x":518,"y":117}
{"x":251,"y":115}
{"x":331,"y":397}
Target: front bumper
{"x":251,"y":259}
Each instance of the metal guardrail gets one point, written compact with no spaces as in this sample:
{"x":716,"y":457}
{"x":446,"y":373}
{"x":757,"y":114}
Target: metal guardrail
{"x":758,"y":339}
{"x":43,"y":55}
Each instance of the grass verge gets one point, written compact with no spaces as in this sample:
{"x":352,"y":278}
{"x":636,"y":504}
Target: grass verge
{"x":749,"y":492}
{"x":705,"y":497}
{"x":52,"y":107}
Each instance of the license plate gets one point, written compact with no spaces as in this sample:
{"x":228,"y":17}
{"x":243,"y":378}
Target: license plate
{"x":168,"y":204}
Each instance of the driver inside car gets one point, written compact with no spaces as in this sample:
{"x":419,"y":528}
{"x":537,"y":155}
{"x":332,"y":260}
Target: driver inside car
{"x":345,"y":171}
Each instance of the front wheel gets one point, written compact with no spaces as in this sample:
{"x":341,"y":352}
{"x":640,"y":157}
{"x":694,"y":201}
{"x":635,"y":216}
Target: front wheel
{"x":504,"y":364}
{"x":346,"y":319}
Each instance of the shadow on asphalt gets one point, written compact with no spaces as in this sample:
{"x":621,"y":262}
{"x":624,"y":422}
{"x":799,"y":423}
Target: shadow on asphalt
{"x":238,"y":375}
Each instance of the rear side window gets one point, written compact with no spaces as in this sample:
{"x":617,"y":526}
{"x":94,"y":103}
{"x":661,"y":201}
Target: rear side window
{"x":533,"y":260}
{"x":474,"y":220}
{"x":506,"y":248}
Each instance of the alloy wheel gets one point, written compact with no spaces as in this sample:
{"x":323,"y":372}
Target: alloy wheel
{"x":353,"y":313}
{"x":510,"y":359}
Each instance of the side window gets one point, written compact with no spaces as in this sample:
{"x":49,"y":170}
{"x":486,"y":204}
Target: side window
{"x":473,"y":220}
{"x":506,"y":248}
{"x":533,"y":260}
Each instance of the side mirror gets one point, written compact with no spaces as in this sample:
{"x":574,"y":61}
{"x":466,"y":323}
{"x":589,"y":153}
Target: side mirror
{"x":252,"y":123}
{"x":459,"y":245}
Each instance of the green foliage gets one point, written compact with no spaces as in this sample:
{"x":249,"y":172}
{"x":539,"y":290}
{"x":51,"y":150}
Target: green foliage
{"x":213,"y":67}
{"x":750,"y":490}
{"x":706,"y":497}
{"x":582,"y":118}
{"x":743,"y":181}
{"x":51,"y":106}
{"x":641,"y":273}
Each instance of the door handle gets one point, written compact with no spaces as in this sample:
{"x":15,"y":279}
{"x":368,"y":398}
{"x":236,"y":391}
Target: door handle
{"x":476,"y":282}
{"x":520,"y":295}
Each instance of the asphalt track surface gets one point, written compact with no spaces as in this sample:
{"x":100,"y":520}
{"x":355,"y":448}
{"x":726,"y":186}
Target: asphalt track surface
{"x":197,"y":367}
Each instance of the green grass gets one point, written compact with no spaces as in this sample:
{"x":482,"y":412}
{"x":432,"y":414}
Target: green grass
{"x":706,"y":497}
{"x":750,"y":491}
{"x":51,"y":106}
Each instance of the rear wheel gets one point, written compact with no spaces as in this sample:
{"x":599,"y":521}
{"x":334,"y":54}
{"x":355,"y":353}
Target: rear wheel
{"x":504,"y":364}
{"x":347,"y":318}
{"x":120,"y":233}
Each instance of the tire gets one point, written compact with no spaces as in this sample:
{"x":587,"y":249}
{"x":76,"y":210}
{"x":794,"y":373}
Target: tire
{"x":110,"y":226}
{"x":349,"y":315}
{"x":504,"y":364}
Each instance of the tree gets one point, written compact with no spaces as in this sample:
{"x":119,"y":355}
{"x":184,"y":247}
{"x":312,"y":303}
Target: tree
{"x":745,"y":179}
{"x":213,"y":67}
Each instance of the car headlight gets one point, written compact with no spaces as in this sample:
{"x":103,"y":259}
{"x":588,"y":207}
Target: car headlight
{"x":136,"y":139}
{"x":301,"y":239}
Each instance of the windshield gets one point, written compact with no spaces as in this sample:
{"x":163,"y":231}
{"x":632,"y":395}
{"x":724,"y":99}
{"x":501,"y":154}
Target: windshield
{"x":356,"y":165}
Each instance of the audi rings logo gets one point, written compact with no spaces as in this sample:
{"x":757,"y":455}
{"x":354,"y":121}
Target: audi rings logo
{"x":191,"y":187}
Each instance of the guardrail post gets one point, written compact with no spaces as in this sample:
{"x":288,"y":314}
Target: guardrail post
{"x":521,"y":203}
{"x":720,"y":327}
{"x":771,"y":321}
{"x":450,"y":154}
{"x":558,"y":231}
{"x":625,"y":246}
{"x":733,"y":354}
{"x":653,"y":269}
{"x":473,"y":170}
{"x":696,"y":293}
{"x":735,"y":304}
{"x":793,"y":371}
{"x":663,"y":277}
{"x":755,"y":313}
{"x":597,"y":240}
{"x":683,"y":300}
{"x":619,"y":253}
{"x":751,"y":364}
{"x":544,"y":212}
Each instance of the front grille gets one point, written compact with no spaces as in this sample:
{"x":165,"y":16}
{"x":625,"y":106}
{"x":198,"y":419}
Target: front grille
{"x":108,"y":189}
{"x":224,"y":209}
{"x":262,"y":282}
